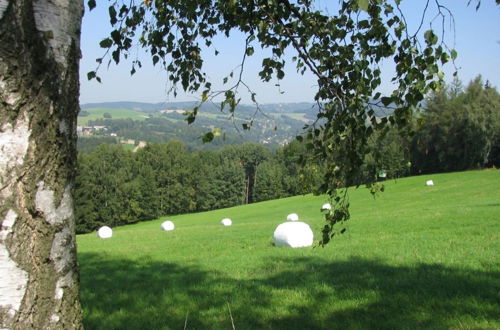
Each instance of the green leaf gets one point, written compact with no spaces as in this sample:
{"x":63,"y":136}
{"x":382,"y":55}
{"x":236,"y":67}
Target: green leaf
{"x":116,"y":36}
{"x":106,"y":43}
{"x":112,"y":15}
{"x":190,"y":118}
{"x":207,"y":137}
{"x":386,"y":100}
{"x":280,"y":74}
{"x":430,"y":37}
{"x":445,"y":58}
{"x":217,"y":132}
{"x":91,"y":75}
{"x":116,"y":55}
{"x":363,"y":4}
{"x":91,"y":4}
{"x":453,"y":54}
{"x":427,"y":35}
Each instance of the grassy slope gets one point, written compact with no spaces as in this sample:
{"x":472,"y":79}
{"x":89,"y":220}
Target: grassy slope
{"x":97,"y":113}
{"x":416,"y":256}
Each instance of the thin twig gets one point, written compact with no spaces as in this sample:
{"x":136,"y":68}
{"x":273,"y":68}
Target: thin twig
{"x":422,"y":19}
{"x":231,"y":315}
{"x":186,"y":321}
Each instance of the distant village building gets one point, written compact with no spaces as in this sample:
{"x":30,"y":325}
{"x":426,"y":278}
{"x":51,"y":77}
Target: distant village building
{"x":172,"y":111}
{"x":89,"y":130}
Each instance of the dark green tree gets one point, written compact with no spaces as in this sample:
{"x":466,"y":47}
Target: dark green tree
{"x":107,"y":191}
{"x":300,"y":177}
{"x":89,"y":144}
{"x":173,"y":189}
{"x":248,"y":156}
{"x":459,"y":129}
{"x":389,"y":155}
{"x":269,"y":181}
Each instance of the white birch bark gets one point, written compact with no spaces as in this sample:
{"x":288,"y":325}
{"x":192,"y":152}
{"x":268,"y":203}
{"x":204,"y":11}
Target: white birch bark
{"x":39,"y":53}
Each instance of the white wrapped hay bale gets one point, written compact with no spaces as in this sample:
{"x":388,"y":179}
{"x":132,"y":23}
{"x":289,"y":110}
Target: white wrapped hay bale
{"x":326,"y":207}
{"x":226,"y":222}
{"x":429,"y":183}
{"x":167,"y":226}
{"x":105,"y":232}
{"x":292,"y":217}
{"x":293,"y":234}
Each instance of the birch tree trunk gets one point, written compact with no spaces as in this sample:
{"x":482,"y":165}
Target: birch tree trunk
{"x":39,"y":89}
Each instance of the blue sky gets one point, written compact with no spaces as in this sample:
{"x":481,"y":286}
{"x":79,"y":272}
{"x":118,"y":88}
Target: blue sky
{"x":476,"y":38}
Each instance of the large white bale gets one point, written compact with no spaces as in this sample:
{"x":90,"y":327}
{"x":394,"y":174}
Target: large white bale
{"x":226,"y":222}
{"x":167,"y":226}
{"x":293,"y":234}
{"x":292,"y":217}
{"x":326,"y":207}
{"x":105,"y":232}
{"x":429,"y":183}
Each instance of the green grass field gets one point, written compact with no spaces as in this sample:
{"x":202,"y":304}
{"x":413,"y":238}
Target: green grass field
{"x":98,"y":113}
{"x":415,"y":257}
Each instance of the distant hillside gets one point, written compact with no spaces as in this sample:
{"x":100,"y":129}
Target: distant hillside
{"x":275,"y":124}
{"x":140,"y":106}
{"x":302,"y":107}
{"x":309,"y":109}
{"x":120,"y":121}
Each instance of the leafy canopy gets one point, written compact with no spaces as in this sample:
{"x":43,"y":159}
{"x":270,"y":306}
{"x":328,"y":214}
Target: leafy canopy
{"x":343,"y":50}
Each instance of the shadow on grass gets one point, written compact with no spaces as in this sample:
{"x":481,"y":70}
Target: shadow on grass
{"x":286,"y":293}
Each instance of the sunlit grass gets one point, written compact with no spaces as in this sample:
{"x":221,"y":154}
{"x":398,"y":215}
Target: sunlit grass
{"x":98,"y":113}
{"x":416,"y":256}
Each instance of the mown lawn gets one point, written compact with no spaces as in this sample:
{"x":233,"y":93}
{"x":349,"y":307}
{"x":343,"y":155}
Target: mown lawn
{"x":98,"y":113}
{"x":415,"y":257}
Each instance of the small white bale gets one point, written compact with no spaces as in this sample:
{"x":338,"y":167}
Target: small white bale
{"x":167,"y":226}
{"x":292,"y":217}
{"x":429,"y":183}
{"x":293,"y":234}
{"x":326,"y":207}
{"x":226,"y":222}
{"x":105,"y":232}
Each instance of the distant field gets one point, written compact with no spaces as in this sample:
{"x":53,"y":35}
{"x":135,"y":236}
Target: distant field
{"x":98,"y":113}
{"x":127,"y":146}
{"x":415,"y":257}
{"x":297,"y":116}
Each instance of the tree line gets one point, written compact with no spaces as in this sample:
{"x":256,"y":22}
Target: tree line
{"x":458,"y":129}
{"x":116,"y":187}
